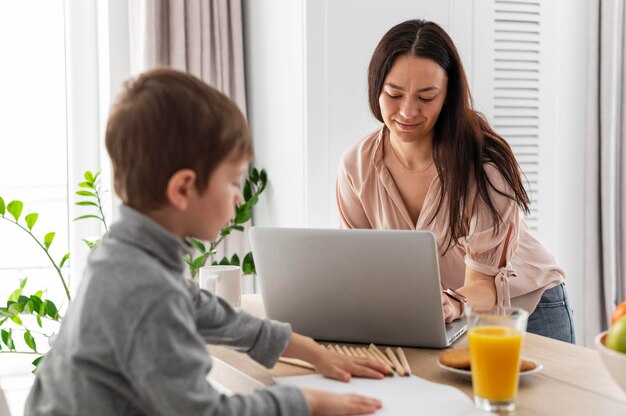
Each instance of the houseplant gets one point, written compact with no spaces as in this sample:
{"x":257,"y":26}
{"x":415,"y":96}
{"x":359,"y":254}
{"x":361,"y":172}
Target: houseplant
{"x":33,"y":317}
{"x":253,"y":187}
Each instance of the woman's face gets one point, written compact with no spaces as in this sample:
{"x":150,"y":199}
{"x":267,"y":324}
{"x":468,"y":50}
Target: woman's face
{"x":412,"y":97}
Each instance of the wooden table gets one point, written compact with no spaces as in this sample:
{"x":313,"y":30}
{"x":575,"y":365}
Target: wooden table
{"x":572,"y":382}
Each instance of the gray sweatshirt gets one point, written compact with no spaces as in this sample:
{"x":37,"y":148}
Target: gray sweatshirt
{"x":133,"y":339}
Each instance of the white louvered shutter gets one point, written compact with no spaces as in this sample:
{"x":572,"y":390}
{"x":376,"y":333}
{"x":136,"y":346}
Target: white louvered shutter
{"x":516,"y":93}
{"x":506,"y":82}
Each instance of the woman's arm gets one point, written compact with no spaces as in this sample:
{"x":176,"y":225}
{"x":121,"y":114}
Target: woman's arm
{"x":478,"y":288}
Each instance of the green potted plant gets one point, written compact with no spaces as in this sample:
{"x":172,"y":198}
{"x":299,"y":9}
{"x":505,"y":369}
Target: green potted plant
{"x":32,"y":317}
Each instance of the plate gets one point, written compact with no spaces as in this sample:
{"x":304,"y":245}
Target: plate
{"x":468,"y":373}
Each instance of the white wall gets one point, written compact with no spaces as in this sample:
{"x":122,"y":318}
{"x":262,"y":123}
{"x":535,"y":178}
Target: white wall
{"x":567,"y":202}
{"x":275,"y":81}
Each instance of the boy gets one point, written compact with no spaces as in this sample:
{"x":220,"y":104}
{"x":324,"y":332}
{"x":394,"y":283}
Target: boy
{"x":133,"y":340}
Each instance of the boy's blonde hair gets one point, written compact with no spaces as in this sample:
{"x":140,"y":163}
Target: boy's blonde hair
{"x":165,"y":121}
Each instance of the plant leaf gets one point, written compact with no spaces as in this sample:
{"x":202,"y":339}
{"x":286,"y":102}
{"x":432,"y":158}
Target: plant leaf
{"x":51,"y":310}
{"x":197,"y":244}
{"x":247,"y":267}
{"x":86,"y":203}
{"x":31,"y":219}
{"x":85,"y":193}
{"x":225,"y":231}
{"x":82,"y":217}
{"x":48,"y":238}
{"x":198,"y":262}
{"x":243,"y":216}
{"x":15,"y":309}
{"x":42,"y":308}
{"x":36,"y":363}
{"x":16,"y":319}
{"x":7,"y":338}
{"x":29,"y":307}
{"x":89,"y":176}
{"x":2,"y":207}
{"x":23,"y":282}
{"x":30,"y":341}
{"x":64,"y":259}
{"x":15,"y":209}
{"x":95,"y":177}
{"x":23,"y":300}
{"x":254,"y":175}
{"x":237,"y":227}
{"x":86,"y":185}
{"x":224,"y":262}
{"x":247,"y":191}
{"x":91,"y":244}
{"x":252,"y":201}
{"x":36,"y":301}
{"x":15,"y":295}
{"x":5,"y":312}
{"x":39,"y":321}
{"x":234,"y":260}
{"x":263,"y":180}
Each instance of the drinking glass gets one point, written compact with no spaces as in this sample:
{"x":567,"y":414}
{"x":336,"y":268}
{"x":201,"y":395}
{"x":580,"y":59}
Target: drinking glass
{"x":495,"y":338}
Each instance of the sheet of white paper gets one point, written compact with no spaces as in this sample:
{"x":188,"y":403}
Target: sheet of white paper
{"x":400,"y":395}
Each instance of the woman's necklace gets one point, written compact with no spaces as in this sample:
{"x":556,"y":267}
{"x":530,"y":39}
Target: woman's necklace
{"x":406,"y":167}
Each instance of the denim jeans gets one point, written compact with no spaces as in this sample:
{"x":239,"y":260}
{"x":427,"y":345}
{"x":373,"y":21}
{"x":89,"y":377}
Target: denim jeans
{"x":553,"y":316}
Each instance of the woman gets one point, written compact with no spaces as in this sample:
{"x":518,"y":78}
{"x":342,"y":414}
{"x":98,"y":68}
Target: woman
{"x":437,"y":165}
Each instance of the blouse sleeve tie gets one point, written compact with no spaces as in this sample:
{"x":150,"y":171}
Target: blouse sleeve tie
{"x":501,"y":279}
{"x":503,"y":293}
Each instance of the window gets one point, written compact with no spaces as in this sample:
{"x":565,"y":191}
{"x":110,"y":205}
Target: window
{"x":33,"y":160}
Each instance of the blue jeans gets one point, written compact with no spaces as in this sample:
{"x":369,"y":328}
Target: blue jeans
{"x":553,"y":316}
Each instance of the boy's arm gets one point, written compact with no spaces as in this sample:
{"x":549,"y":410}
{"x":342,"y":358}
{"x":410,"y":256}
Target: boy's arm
{"x":219,"y":323}
{"x":265,"y":340}
{"x":167,"y":364}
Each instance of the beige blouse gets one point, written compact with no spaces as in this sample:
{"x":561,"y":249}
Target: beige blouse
{"x":368,"y":198}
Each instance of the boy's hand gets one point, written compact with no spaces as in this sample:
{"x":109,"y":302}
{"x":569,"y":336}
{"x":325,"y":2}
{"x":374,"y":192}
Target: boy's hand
{"x":323,"y":403}
{"x":332,"y":364}
{"x":342,"y":367}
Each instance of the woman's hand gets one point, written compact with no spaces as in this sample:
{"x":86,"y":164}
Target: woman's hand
{"x":451,"y":308}
{"x":342,"y":367}
{"x":324,"y":403}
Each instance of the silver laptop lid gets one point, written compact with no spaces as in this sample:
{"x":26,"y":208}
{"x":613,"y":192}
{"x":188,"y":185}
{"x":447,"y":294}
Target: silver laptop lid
{"x":359,"y":286}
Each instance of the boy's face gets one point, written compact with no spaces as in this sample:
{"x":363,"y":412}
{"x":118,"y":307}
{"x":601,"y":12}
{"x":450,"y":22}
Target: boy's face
{"x":215,"y":208}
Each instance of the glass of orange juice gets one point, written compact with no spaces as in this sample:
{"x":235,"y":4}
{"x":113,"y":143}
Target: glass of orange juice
{"x":495,"y":338}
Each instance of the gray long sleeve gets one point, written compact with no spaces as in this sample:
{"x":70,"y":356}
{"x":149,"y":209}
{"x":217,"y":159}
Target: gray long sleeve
{"x":168,"y":364}
{"x":133,"y":339}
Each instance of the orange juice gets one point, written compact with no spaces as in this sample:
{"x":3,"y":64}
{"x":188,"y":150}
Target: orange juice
{"x":495,"y":358}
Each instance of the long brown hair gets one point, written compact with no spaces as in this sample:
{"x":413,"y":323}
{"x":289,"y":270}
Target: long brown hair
{"x":463,"y":140}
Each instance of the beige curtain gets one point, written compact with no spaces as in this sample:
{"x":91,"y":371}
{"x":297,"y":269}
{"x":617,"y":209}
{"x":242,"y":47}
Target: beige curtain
{"x":605,"y":187}
{"x":204,"y":38}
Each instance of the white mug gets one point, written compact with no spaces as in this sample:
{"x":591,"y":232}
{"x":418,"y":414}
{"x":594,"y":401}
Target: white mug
{"x":223,"y":281}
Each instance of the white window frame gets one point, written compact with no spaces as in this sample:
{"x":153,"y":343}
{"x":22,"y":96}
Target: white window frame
{"x":97,"y":62}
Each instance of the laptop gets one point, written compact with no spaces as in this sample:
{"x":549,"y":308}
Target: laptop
{"x":359,"y":286}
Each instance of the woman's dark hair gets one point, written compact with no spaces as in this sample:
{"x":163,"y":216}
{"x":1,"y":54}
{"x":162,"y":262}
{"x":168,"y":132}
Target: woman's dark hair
{"x":463,"y":140}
